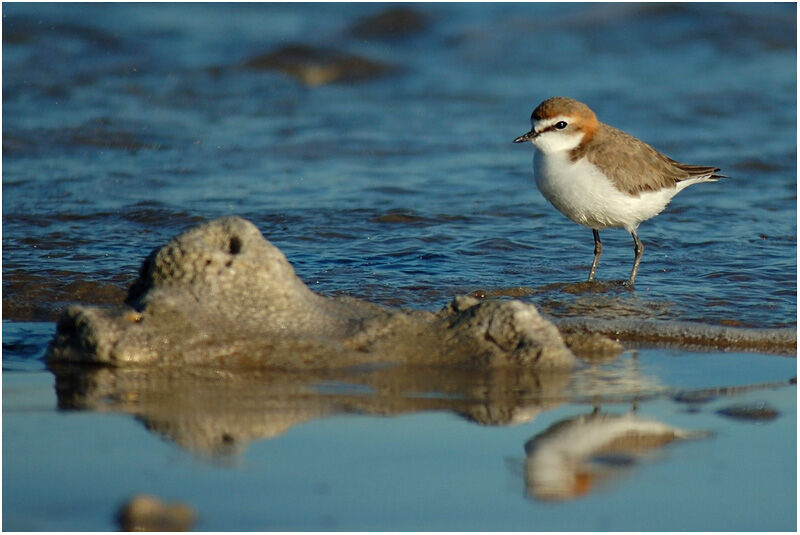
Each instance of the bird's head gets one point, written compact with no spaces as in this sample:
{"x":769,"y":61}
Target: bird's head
{"x":560,"y":124}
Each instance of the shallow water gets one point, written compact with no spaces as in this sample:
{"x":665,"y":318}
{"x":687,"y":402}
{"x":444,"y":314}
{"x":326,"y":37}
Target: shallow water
{"x":125,"y":124}
{"x":398,"y":449}
{"x":404,"y":189}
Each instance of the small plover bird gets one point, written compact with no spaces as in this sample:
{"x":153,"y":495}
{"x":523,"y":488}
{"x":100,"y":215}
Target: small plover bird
{"x":599,"y":176}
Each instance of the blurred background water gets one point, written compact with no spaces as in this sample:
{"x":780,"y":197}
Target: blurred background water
{"x":384,"y":168}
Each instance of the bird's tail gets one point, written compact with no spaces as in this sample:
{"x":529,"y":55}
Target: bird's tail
{"x":702,"y":173}
{"x":696,"y":174}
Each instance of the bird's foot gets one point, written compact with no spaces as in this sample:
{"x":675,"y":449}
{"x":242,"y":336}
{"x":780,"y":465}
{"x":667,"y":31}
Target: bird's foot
{"x":627,"y":284}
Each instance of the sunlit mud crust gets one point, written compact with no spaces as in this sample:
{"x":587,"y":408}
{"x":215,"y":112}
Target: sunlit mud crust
{"x":685,"y":335}
{"x":635,"y":333}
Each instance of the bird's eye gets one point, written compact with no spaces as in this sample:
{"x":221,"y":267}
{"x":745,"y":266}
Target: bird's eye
{"x":561,"y":125}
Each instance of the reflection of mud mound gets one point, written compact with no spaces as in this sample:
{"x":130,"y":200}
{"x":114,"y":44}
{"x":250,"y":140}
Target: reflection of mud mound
{"x":214,"y":412}
{"x":567,"y":459}
{"x":203,"y":410}
{"x":218,"y":411}
{"x":221,"y":294}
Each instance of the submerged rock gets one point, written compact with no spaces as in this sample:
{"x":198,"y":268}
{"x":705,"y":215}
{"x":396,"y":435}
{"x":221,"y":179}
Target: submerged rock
{"x":317,"y":66}
{"x":390,"y":24}
{"x":221,"y":294}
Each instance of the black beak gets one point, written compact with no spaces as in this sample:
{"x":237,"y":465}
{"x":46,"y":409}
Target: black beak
{"x":526,"y":137}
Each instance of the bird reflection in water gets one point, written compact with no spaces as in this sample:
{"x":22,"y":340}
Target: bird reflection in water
{"x":569,"y":458}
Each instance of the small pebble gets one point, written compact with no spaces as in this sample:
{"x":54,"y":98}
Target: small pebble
{"x":148,"y":513}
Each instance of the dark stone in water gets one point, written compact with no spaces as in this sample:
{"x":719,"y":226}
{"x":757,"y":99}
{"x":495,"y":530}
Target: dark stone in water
{"x":16,"y":144}
{"x":751,"y":412}
{"x":401,"y":217}
{"x":103,"y":133}
{"x":318,"y":66}
{"x":99,"y":133}
{"x":22,"y":30}
{"x":390,"y":24}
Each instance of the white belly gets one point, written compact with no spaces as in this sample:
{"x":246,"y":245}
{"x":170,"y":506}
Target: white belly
{"x":582,"y":193}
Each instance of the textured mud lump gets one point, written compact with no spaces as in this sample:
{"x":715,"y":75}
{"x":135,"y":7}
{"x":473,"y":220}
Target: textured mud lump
{"x":221,"y":294}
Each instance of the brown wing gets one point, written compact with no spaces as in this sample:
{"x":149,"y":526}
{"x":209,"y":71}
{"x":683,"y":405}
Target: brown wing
{"x":633,"y":165}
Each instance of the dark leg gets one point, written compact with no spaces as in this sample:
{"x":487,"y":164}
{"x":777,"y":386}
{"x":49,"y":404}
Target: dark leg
{"x":598,"y":250}
{"x":638,"y":247}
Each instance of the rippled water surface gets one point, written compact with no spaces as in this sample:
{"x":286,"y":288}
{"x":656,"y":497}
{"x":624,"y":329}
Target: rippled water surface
{"x":126,"y":124}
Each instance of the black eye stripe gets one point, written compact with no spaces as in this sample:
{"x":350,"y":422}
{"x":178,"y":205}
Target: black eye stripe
{"x":553,"y":127}
{"x":560,"y":125}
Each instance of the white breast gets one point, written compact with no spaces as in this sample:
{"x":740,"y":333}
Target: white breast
{"x":580,"y":191}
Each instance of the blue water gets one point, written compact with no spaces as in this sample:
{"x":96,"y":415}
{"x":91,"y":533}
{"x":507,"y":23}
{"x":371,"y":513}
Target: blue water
{"x":353,"y":459}
{"x":124,"y":124}
{"x":118,"y":134}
